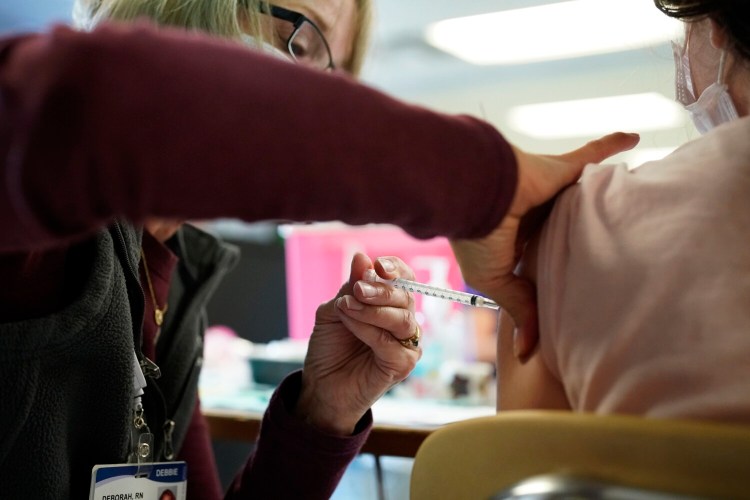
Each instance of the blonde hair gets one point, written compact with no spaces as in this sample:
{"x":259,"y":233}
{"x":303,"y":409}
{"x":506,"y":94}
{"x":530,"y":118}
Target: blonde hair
{"x":362,"y":27}
{"x":223,"y":18}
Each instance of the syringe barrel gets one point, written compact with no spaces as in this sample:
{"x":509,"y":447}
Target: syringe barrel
{"x":443,"y":293}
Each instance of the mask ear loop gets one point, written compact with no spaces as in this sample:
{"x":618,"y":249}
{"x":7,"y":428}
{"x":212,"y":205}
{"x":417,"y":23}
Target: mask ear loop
{"x":686,"y":57}
{"x":684,"y":88}
{"x":722,"y":62}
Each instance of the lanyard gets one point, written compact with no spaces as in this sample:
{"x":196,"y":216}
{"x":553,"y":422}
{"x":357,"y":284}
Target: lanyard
{"x":141,"y":437}
{"x":142,"y":440}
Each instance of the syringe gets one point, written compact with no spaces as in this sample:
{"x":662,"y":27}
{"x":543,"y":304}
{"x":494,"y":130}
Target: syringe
{"x":442,"y":293}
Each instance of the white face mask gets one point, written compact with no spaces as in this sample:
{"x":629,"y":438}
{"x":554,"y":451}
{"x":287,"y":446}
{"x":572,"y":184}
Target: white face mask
{"x":714,"y":106}
{"x":269,"y":49}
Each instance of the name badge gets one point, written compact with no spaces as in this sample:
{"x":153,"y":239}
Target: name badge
{"x":149,"y":481}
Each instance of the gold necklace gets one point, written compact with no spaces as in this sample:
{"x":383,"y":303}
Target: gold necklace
{"x":158,"y":313}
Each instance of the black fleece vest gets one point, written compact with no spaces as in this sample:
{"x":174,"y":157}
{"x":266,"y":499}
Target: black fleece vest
{"x":66,"y":379}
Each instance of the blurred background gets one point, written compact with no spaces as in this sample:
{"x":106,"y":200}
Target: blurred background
{"x":525,"y":53}
{"x":519,"y":63}
{"x":550,"y":75}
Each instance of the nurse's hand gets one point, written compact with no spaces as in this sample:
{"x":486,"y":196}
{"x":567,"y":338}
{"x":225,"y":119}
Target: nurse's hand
{"x":355,"y":355}
{"x":487,"y":264}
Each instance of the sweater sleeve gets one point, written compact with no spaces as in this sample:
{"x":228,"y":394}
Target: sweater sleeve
{"x":292,"y":459}
{"x":136,"y":121}
{"x":203,"y":477}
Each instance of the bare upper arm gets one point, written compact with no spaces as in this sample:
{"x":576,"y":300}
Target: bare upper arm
{"x":525,"y":383}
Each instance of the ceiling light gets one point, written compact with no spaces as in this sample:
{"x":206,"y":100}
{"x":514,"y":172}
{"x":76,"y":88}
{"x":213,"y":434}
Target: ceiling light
{"x":554,"y":31}
{"x":593,"y":117}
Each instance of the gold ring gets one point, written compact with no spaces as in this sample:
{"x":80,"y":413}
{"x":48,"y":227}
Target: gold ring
{"x":412,"y":341}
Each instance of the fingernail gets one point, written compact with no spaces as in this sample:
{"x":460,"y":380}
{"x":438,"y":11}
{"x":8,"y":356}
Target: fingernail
{"x":517,"y":347}
{"x":353,"y":304}
{"x":388,"y":266}
{"x":367,"y":289}
{"x":370,"y":275}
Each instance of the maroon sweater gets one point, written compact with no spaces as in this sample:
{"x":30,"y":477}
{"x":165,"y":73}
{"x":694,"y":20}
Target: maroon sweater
{"x":130,"y":121}
{"x":135,"y":121}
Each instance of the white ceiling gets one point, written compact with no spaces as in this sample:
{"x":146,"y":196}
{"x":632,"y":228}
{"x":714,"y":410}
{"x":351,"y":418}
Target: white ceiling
{"x":402,"y":64}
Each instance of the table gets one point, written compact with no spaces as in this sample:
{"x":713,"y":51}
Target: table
{"x":399,"y":425}
{"x":399,"y":428}
{"x":385,"y":439}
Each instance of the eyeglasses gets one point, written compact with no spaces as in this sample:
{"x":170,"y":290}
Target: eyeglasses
{"x":302,"y":38}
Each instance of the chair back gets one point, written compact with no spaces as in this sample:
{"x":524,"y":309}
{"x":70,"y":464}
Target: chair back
{"x":486,"y":457}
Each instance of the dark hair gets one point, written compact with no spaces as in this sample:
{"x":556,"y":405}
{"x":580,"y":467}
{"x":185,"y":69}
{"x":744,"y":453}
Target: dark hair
{"x":732,"y":15}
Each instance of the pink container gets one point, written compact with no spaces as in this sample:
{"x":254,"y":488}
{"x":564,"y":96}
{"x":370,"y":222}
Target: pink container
{"x":318,"y":258}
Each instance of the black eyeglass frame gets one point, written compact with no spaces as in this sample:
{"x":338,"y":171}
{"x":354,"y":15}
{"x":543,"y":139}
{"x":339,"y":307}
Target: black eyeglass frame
{"x":297,"y":19}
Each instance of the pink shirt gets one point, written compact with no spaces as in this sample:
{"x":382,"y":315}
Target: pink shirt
{"x":644,"y":284}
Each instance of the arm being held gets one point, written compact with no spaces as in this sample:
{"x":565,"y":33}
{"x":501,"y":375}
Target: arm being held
{"x":525,"y":382}
{"x":487,"y":263}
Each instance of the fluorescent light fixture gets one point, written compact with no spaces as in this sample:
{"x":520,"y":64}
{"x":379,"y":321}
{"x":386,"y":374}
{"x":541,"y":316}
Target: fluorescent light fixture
{"x":554,"y":31}
{"x":592,"y":117}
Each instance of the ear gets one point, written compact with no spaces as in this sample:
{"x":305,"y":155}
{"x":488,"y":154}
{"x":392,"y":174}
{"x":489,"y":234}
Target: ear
{"x":718,"y":35}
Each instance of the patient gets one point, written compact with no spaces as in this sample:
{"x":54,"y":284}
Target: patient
{"x":643,"y":277}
